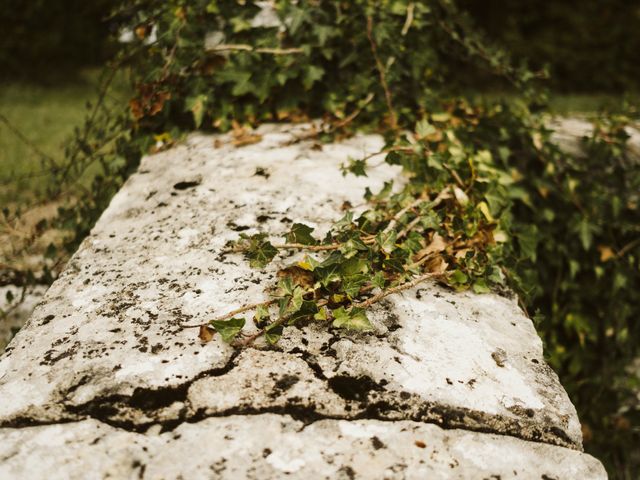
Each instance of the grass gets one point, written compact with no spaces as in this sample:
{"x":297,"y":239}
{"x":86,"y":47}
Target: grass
{"x":46,"y":115}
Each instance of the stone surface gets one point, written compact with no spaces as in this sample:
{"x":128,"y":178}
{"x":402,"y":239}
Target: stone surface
{"x":15,"y":313}
{"x":275,"y":446}
{"x":570,"y":131}
{"x":107,"y":343}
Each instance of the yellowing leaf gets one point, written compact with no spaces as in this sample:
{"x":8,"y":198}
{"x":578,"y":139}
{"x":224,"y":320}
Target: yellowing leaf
{"x":484,"y":208}
{"x":461,"y":197}
{"x":500,"y":237}
{"x":606,"y":253}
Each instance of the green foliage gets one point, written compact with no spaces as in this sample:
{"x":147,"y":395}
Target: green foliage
{"x":228,"y":329}
{"x":493,"y":202}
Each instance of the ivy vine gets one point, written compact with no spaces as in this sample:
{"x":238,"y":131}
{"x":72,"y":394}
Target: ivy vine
{"x":492,"y":202}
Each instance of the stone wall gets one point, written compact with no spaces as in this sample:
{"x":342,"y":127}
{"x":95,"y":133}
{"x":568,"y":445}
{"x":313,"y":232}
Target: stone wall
{"x":103,"y":381}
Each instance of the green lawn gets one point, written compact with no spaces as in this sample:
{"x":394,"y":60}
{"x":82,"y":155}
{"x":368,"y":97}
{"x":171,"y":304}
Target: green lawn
{"x":46,"y":115}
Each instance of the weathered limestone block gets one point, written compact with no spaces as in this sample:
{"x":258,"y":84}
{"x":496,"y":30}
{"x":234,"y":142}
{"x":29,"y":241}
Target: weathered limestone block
{"x":274,"y":446}
{"x":570,"y":131}
{"x":18,"y":310}
{"x":105,"y":354}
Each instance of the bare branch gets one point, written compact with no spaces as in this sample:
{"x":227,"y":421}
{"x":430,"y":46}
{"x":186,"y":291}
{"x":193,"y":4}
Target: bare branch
{"x":232,"y":313}
{"x":382,"y":73}
{"x":400,"y":288}
{"x":240,"y":47}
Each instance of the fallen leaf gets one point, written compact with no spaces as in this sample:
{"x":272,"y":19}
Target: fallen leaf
{"x":299,"y":276}
{"x":206,"y":334}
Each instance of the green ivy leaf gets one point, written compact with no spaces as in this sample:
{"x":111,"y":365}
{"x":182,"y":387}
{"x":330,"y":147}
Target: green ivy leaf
{"x":306,"y":309}
{"x":273,"y":333}
{"x":261,"y":255}
{"x":480,"y":286}
{"x":352,"y":319}
{"x":321,"y":315}
{"x":300,"y":233}
{"x":458,"y":277}
{"x":196,"y":105}
{"x":352,"y":284}
{"x":313,"y":74}
{"x":356,"y":167}
{"x":378,"y":280}
{"x":387,"y":241}
{"x":261,"y":315}
{"x":228,"y":329}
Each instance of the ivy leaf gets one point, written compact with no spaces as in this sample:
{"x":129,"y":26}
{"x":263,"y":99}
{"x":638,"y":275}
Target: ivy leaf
{"x":196,"y":105}
{"x":296,"y":300}
{"x":321,"y":315}
{"x":258,"y":250}
{"x":352,"y":246}
{"x":344,"y":222}
{"x":308,"y":263}
{"x":353,"y":266}
{"x":261,"y":315}
{"x":458,"y":277}
{"x":313,"y":74}
{"x":424,"y":128}
{"x":228,"y":329}
{"x":329,"y":274}
{"x":387,"y":241}
{"x":273,"y":333}
{"x":300,"y":233}
{"x":378,"y":280}
{"x":352,"y":319}
{"x":352,"y":284}
{"x":261,"y":254}
{"x":306,"y":309}
{"x":356,"y":167}
{"x":480,"y":286}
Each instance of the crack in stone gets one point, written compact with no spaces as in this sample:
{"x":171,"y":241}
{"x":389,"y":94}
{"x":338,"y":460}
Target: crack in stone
{"x":169,"y":407}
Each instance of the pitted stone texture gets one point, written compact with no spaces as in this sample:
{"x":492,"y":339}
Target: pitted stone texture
{"x":18,"y":310}
{"x":266,"y":381}
{"x":113,"y":348}
{"x":444,"y":358}
{"x":271,"y":446}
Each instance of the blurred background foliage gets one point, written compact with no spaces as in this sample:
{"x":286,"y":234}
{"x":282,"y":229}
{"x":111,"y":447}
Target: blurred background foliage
{"x":589,"y":45}
{"x":44,"y":41}
{"x":50,"y":59}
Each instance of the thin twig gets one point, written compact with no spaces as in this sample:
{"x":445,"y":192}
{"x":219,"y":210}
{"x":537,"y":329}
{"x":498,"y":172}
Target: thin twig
{"x":239,"y":47}
{"x":409,"y":20}
{"x":382,"y":74}
{"x":388,"y":150}
{"x":397,"y":216}
{"x":350,"y":118}
{"x":409,"y":227}
{"x":230,"y":314}
{"x":332,"y":128}
{"x":292,"y":246}
{"x":400,"y":288}
{"x":252,"y":338}
{"x":627,"y":247}
{"x":455,"y":176}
